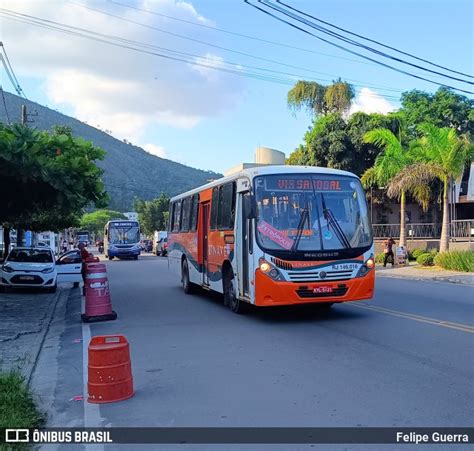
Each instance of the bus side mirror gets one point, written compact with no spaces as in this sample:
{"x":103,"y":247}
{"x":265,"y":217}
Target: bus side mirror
{"x":250,"y":206}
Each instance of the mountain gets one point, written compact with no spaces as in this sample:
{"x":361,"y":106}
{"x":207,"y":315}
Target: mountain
{"x":129,"y":171}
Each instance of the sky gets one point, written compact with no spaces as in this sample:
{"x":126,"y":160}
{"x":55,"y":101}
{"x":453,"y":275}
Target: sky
{"x":188,"y":112}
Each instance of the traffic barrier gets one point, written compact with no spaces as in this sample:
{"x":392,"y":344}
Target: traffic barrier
{"x":98,"y":305}
{"x":109,"y":369}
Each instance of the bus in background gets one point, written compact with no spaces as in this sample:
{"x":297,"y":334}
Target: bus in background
{"x":83,"y":237}
{"x":122,"y":239}
{"x":275,"y":235}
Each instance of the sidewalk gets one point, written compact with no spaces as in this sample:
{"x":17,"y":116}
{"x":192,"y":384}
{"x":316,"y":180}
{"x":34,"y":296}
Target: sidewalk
{"x":416,"y":272}
{"x":24,"y":320}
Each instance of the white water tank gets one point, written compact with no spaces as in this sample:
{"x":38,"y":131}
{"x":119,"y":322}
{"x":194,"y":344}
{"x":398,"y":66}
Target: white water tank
{"x":265,"y":155}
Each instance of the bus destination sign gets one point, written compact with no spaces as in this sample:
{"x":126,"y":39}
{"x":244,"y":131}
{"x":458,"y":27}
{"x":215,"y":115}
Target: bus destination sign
{"x":304,"y":184}
{"x":124,"y":223}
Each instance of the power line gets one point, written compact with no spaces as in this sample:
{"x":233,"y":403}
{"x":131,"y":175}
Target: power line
{"x":10,"y":72}
{"x":373,"y":40}
{"x":355,"y":43}
{"x":236,"y":69}
{"x":223,"y":48}
{"x":353,"y":52}
{"x":234,"y":33}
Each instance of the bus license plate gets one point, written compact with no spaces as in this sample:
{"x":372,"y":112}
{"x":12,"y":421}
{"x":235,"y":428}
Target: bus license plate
{"x":323,"y":289}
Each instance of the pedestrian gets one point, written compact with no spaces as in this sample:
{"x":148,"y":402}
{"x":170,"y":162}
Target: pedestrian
{"x":64,"y":246}
{"x":388,"y":251}
{"x":84,"y":255}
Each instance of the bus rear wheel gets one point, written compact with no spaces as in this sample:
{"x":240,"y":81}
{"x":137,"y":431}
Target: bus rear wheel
{"x":230,"y":296}
{"x":188,"y":286}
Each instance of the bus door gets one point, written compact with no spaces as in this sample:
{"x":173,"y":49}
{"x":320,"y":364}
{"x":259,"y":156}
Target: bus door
{"x":244,"y":248}
{"x":204,"y":238}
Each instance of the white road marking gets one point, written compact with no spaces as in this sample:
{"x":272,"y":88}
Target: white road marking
{"x":92,"y":416}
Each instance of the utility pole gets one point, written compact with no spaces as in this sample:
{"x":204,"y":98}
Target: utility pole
{"x":24,"y":115}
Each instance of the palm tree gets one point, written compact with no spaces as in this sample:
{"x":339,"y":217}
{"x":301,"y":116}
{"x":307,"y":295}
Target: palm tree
{"x":442,"y":155}
{"x":390,"y":162}
{"x":321,"y":99}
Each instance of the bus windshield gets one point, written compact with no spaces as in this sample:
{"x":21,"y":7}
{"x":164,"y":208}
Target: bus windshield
{"x":311,"y":213}
{"x":119,"y":234}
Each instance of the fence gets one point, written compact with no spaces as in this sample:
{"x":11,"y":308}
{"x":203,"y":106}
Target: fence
{"x":459,"y":230}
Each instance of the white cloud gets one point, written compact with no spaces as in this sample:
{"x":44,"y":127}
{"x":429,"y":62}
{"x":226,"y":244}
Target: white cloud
{"x":206,"y":64}
{"x":369,"y":101}
{"x":154,"y":149}
{"x":123,"y":91}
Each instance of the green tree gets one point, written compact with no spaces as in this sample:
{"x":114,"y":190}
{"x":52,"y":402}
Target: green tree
{"x":442,"y":155}
{"x":444,"y":108}
{"x":95,"y":221}
{"x":153,"y":214}
{"x":338,"y":142}
{"x":46,"y":179}
{"x":388,"y":164}
{"x":318,"y":99}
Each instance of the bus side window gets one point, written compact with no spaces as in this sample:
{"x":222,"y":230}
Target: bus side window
{"x":226,"y":214}
{"x":185,"y":214}
{"x":214,"y":207}
{"x":177,"y":216}
{"x":171,"y":217}
{"x":194,"y":212}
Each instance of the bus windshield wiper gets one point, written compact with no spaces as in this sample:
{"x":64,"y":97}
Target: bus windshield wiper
{"x":332,"y":221}
{"x":299,"y":231}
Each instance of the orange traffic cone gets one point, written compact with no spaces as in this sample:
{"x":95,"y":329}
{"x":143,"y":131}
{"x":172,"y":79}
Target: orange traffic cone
{"x":98,"y":305}
{"x":109,"y":369}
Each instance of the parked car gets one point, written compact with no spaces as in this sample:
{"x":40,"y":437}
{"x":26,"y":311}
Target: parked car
{"x":162,"y":247}
{"x":35,"y":267}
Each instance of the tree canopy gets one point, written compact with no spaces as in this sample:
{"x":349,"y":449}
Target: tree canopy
{"x":47,"y":179}
{"x":337,"y":142}
{"x":95,"y":221}
{"x":320,"y":99}
{"x":153,"y":214}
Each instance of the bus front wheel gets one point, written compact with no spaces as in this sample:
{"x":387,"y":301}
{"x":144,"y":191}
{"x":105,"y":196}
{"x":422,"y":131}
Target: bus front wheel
{"x":188,"y":286}
{"x":230,"y":296}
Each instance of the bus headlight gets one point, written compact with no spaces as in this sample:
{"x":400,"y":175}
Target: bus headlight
{"x":268,"y":269}
{"x":366,"y":267}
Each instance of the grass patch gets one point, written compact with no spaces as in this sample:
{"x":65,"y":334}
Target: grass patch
{"x":17,"y":408}
{"x":456,"y":260}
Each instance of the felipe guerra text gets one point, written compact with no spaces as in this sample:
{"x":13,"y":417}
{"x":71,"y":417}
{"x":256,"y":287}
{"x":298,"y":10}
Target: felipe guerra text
{"x":435,"y":437}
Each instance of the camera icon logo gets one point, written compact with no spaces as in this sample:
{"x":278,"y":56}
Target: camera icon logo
{"x":17,"y":435}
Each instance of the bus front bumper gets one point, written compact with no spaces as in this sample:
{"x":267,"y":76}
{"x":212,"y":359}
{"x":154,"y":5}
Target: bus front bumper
{"x":269,"y":292}
{"x":123,"y":253}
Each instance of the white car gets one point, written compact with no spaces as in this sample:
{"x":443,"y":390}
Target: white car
{"x":29,"y":267}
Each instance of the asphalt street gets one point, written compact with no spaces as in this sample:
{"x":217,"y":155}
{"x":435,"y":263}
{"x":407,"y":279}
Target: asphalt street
{"x":404,"y":359}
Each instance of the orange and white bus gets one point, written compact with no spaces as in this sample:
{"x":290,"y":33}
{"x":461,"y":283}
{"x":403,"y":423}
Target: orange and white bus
{"x":275,"y":235}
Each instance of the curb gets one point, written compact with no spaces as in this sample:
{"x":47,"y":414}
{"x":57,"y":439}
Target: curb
{"x":427,"y":279}
{"x":28,"y":369}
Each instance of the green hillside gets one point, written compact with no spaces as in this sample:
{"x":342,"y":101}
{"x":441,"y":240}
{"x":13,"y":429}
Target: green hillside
{"x":129,"y":171}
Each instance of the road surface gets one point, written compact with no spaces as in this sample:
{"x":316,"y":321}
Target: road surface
{"x":404,"y":359}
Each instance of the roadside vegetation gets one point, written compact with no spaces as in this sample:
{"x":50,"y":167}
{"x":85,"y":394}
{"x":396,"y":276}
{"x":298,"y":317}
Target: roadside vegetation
{"x":456,"y":260}
{"x":18,"y":409}
{"x":414,"y":153}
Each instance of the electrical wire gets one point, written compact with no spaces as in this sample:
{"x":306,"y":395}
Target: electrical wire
{"x":234,"y":33}
{"x":236,"y":69}
{"x":10,"y":72}
{"x":353,"y":52}
{"x":227,"y":49}
{"x":374,"y":41}
{"x":358,"y":44}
